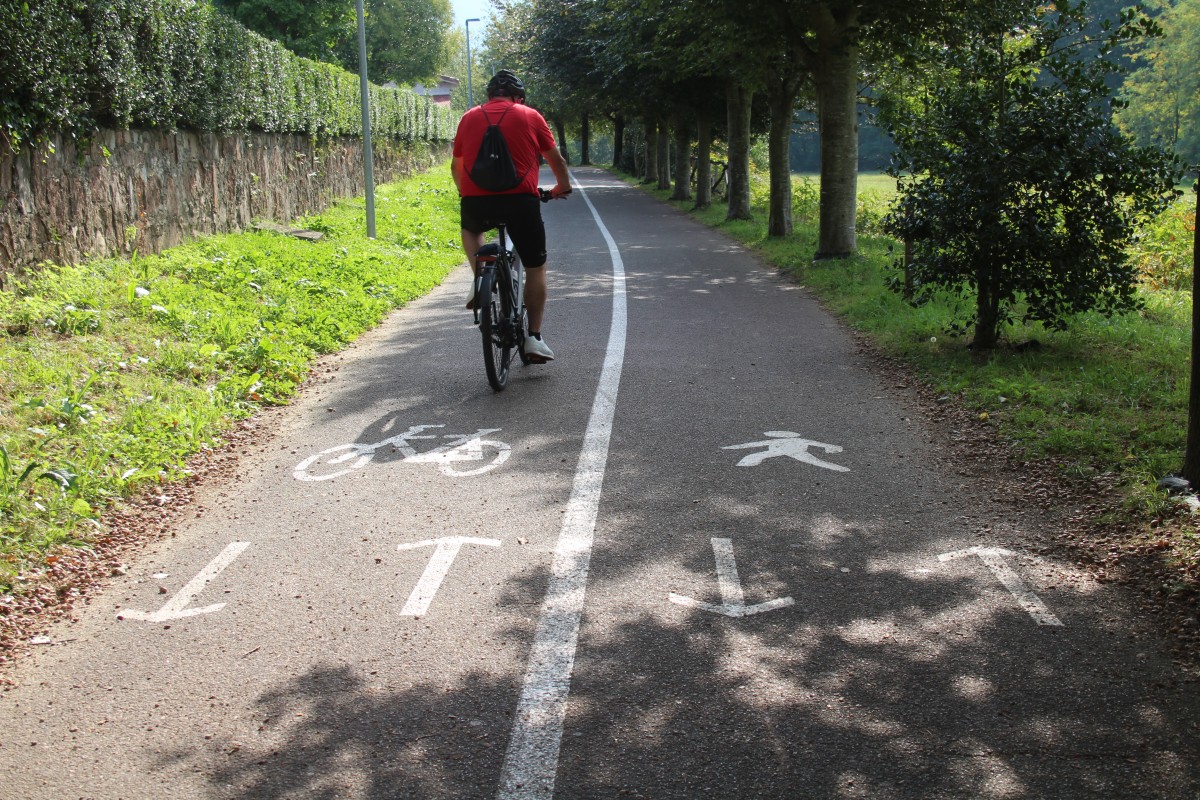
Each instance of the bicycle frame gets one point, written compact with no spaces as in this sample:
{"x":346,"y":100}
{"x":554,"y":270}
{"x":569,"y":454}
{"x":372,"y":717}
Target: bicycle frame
{"x":496,"y":267}
{"x":500,"y":308}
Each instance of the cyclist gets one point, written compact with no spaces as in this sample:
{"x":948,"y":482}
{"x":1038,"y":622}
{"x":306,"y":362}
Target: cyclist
{"x":528,"y":137}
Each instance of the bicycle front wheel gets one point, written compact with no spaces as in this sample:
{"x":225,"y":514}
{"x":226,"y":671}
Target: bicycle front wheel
{"x":493,"y":315}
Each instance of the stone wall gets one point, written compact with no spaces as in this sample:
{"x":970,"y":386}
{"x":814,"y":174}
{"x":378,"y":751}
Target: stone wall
{"x":147,"y":191}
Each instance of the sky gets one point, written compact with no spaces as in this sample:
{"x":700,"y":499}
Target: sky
{"x":468,"y":9}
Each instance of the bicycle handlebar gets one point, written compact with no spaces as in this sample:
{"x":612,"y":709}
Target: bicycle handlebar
{"x":545,"y":195}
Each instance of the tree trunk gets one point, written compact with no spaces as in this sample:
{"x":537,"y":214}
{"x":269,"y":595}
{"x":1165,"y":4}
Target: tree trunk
{"x":664,"y":154}
{"x":585,"y":135}
{"x":738,"y":102}
{"x":703,"y":160}
{"x":1191,"y":457}
{"x":991,"y":260}
{"x":618,"y":140}
{"x":783,"y":102}
{"x":987,"y":307}
{"x":835,"y":75}
{"x":561,"y":129}
{"x":651,"y":175}
{"x":683,"y":159}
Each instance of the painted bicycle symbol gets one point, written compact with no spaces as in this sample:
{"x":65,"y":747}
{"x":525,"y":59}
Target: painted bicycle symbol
{"x":462,"y":449}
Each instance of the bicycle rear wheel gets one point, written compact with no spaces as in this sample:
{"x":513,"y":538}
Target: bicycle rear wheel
{"x":494,"y":310}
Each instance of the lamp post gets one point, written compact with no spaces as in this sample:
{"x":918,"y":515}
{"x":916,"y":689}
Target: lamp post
{"x":368,"y":156}
{"x":470,"y":95}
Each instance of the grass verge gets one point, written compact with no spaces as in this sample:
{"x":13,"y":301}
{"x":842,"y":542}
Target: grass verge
{"x":113,"y":373}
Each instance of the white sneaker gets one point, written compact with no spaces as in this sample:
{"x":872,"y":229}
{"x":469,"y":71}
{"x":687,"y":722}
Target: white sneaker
{"x":471,"y":295}
{"x":537,"y":351}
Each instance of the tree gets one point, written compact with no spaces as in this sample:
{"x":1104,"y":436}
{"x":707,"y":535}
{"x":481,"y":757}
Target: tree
{"x":314,"y":29}
{"x":627,"y":55}
{"x":405,"y":39}
{"x":1191,"y":456}
{"x":764,"y":45}
{"x":1164,"y":92}
{"x":552,"y":45}
{"x":1019,"y":189}
{"x":766,"y":41}
{"x":832,"y":51}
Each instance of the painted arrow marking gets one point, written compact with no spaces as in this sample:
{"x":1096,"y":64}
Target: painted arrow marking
{"x":733,"y":601}
{"x":445,"y":551}
{"x":994,"y":558}
{"x":177,"y":606}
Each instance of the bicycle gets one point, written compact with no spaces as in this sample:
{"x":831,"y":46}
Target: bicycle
{"x":500,"y":305}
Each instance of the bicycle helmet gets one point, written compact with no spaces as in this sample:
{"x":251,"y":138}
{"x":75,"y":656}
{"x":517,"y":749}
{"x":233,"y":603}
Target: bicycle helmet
{"x":505,"y":84}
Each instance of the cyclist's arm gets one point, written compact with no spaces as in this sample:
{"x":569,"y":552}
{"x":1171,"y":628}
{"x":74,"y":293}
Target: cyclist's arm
{"x":456,"y":172}
{"x":559,"y":167}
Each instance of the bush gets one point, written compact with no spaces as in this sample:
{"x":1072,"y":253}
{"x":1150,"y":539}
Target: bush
{"x":75,"y":65}
{"x":1018,"y":191}
{"x":1163,"y":253}
{"x":873,"y":207}
{"x":806,"y":201}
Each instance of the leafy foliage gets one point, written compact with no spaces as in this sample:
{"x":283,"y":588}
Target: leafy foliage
{"x":405,"y":39}
{"x":313,"y":29}
{"x":75,"y":65}
{"x":1164,"y":92}
{"x":1018,"y":189}
{"x":1164,"y":251}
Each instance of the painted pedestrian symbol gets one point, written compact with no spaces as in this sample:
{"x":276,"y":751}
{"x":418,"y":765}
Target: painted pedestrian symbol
{"x":786,"y":443}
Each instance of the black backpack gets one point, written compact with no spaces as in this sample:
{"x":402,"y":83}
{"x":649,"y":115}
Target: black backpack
{"x":493,"y":169}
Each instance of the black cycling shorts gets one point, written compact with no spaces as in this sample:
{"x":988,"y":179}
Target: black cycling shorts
{"x":522,"y":213}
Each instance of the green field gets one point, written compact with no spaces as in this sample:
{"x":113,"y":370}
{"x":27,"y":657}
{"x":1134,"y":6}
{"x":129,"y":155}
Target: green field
{"x":867,"y":181}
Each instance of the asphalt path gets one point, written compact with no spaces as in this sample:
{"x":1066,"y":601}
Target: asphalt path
{"x":707,"y":552}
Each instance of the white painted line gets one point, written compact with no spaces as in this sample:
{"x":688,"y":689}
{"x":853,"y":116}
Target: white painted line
{"x":531,"y":763}
{"x":994,"y":558}
{"x":733,"y":599}
{"x":727,"y":575}
{"x":177,"y":606}
{"x":445,"y":551}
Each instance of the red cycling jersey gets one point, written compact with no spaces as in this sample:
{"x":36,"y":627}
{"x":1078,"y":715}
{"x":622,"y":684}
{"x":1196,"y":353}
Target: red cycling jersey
{"x":525,"y":130}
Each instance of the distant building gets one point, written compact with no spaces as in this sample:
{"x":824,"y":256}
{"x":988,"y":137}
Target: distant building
{"x":440,"y":94}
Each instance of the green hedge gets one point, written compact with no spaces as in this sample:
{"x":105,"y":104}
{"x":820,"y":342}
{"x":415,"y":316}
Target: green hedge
{"x":77,"y":65}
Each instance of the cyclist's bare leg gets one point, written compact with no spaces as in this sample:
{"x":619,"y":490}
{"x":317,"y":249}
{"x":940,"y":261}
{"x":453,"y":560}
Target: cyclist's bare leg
{"x":535,"y":295}
{"x":471,"y":242}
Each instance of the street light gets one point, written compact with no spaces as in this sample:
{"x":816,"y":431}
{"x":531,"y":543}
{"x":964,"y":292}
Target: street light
{"x":470,"y":95}
{"x":364,"y":91}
